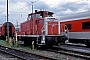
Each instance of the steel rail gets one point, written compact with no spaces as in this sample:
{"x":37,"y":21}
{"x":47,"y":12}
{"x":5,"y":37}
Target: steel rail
{"x":23,"y":55}
{"x":70,"y":52}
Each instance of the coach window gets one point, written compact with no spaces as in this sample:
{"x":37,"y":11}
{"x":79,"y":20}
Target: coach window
{"x":68,"y":26}
{"x":85,"y":25}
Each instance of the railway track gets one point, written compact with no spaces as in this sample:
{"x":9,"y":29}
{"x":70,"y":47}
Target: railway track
{"x":23,"y":55}
{"x":71,"y":52}
{"x":58,"y":52}
{"x":72,"y":44}
{"x":5,"y":56}
{"x":76,"y":48}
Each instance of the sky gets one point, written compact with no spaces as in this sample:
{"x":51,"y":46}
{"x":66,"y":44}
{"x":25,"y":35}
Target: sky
{"x":19,"y":9}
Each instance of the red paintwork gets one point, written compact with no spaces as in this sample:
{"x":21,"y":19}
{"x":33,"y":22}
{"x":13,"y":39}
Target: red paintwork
{"x":31,"y":27}
{"x":77,"y":25}
{"x":3,"y":29}
{"x":52,"y":29}
{"x":25,"y":27}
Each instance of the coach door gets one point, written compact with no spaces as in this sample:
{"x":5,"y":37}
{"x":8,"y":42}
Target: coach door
{"x":10,"y":30}
{"x":5,"y":30}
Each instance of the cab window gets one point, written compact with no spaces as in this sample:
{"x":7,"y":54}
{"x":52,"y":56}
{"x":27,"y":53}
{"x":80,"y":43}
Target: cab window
{"x":29,"y":17}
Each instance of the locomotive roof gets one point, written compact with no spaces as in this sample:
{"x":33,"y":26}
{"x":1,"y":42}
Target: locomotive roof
{"x":49,"y":13}
{"x":76,"y":16}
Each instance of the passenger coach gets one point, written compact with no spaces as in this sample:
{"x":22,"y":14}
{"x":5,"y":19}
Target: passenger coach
{"x":78,"y":26}
{"x":4,"y":31}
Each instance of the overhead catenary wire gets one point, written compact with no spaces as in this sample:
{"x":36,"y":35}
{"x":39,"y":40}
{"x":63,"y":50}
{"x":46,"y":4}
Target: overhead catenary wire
{"x":9,"y":6}
{"x":36,"y":1}
{"x":20,"y":8}
{"x":16,"y":10}
{"x":24,"y":7}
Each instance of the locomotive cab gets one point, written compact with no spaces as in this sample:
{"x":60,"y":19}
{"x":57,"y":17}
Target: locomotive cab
{"x":36,"y":22}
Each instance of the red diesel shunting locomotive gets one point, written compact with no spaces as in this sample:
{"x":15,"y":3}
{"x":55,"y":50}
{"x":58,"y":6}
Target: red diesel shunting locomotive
{"x":42,"y":28}
{"x":3,"y":30}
